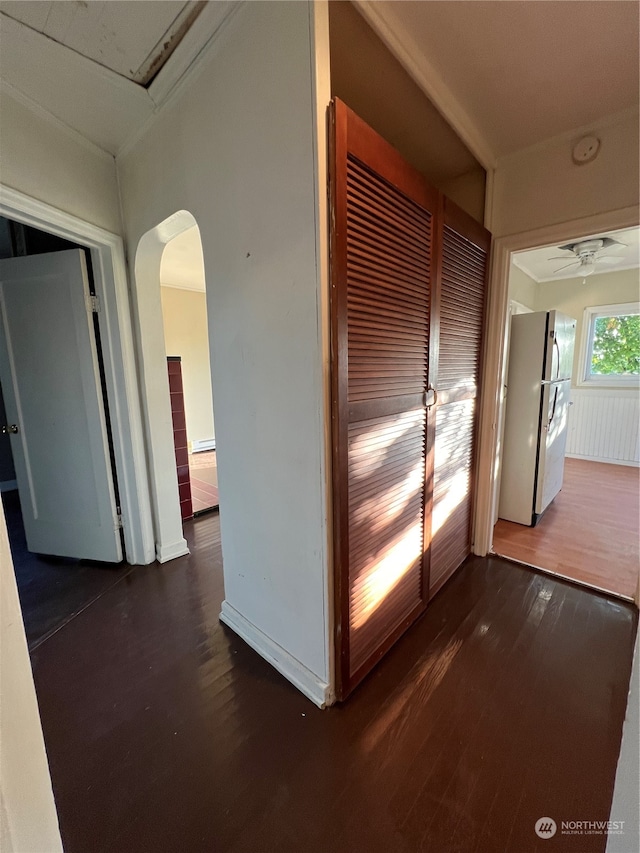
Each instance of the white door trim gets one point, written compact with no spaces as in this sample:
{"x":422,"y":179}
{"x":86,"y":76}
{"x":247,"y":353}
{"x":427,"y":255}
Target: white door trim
{"x":154,"y":384}
{"x":109,"y":270}
{"x":491,"y":411}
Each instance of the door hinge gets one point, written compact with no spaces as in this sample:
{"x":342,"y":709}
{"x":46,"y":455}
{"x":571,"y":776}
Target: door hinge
{"x":119,"y":524}
{"x":93,"y":303}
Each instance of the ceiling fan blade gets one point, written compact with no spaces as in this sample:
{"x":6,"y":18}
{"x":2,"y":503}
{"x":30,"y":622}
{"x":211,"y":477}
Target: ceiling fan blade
{"x":574,"y":264}
{"x":609,"y":259}
{"x":560,"y":258}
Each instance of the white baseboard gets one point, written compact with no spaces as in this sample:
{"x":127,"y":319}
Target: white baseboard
{"x":164,"y":553}
{"x":306,"y":681}
{"x":8,"y":485}
{"x":629,"y":462}
{"x":202,"y":444}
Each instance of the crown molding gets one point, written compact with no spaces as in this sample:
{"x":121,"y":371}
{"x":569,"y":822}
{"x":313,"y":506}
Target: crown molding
{"x":406,"y":50}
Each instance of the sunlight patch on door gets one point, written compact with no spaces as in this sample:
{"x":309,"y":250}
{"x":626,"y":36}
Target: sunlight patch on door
{"x":446,"y":506}
{"x":395,"y":501}
{"x":378,"y":579}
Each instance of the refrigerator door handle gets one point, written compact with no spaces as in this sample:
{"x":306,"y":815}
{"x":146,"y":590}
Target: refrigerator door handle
{"x":557,"y":346}
{"x":553,"y":408}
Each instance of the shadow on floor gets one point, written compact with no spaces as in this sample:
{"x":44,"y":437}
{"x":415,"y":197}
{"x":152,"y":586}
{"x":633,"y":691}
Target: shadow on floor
{"x":52,"y":590}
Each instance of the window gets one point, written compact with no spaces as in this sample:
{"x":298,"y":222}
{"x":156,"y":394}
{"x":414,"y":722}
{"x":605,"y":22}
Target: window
{"x":611,"y":352}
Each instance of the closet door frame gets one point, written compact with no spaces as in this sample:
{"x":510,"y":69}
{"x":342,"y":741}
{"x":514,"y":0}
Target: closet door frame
{"x":348,"y":134}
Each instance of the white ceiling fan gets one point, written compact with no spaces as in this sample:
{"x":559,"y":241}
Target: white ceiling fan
{"x":586,"y":254}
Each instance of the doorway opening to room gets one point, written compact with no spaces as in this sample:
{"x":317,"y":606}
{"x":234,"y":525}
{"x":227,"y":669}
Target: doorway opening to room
{"x":58,"y":473}
{"x":567,"y":486}
{"x":170,"y":275}
{"x":186,"y":335}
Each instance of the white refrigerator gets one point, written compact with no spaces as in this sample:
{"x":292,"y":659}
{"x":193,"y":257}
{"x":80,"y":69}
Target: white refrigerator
{"x":537,"y":414}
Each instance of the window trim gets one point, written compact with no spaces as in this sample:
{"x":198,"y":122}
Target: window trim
{"x":591,"y":314}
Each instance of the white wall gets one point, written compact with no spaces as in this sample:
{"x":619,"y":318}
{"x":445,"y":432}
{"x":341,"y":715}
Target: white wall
{"x":626,"y":793}
{"x":185,"y":334}
{"x":541,"y":186}
{"x":522,"y":288}
{"x":28,"y":820}
{"x":468,"y":192}
{"x":237,"y":149}
{"x":41,"y":159}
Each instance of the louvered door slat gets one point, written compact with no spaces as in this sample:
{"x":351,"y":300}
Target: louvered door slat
{"x":386,"y":517}
{"x":382,"y":281}
{"x":382,"y":258}
{"x":462,"y":288}
{"x":398,"y":246}
{"x":451,"y":489}
{"x":395,"y":207}
{"x":386,"y":508}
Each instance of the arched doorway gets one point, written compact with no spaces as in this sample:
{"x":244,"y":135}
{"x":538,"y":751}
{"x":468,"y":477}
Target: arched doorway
{"x":151,"y":264}
{"x":186,"y":334}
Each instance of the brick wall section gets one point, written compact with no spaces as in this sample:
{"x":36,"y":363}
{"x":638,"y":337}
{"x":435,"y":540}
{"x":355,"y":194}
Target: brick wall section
{"x":180,"y":435}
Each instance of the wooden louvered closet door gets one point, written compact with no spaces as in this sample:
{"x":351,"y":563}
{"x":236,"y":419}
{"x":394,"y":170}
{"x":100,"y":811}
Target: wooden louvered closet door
{"x":382,"y":274}
{"x":461,"y":296}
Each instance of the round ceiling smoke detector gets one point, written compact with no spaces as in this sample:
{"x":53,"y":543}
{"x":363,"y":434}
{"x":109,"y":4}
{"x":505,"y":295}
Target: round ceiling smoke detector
{"x":585,"y":150}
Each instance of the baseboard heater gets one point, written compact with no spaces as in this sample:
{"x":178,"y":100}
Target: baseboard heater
{"x":203,"y":444}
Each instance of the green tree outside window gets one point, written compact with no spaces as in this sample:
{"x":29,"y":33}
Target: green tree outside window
{"x":616,"y":346}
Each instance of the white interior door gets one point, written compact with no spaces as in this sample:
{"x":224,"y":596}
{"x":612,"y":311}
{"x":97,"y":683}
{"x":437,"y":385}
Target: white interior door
{"x":51,"y":384}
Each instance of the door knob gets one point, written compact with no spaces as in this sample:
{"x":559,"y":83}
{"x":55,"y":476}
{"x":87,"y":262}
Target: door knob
{"x":6,"y":429}
{"x":430,"y":397}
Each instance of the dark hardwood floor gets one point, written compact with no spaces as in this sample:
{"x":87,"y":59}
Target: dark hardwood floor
{"x":503,"y":704}
{"x":52,"y":590}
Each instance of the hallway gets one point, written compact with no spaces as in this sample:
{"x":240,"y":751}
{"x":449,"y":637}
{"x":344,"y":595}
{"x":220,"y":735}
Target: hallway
{"x":165,"y":732}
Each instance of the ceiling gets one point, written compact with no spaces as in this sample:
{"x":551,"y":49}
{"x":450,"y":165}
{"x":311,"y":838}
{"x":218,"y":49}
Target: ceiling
{"x":505,"y":74}
{"x":132,"y":39}
{"x":104,"y":68}
{"x":521,"y":72}
{"x":537,"y":263}
{"x":182,"y":262}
